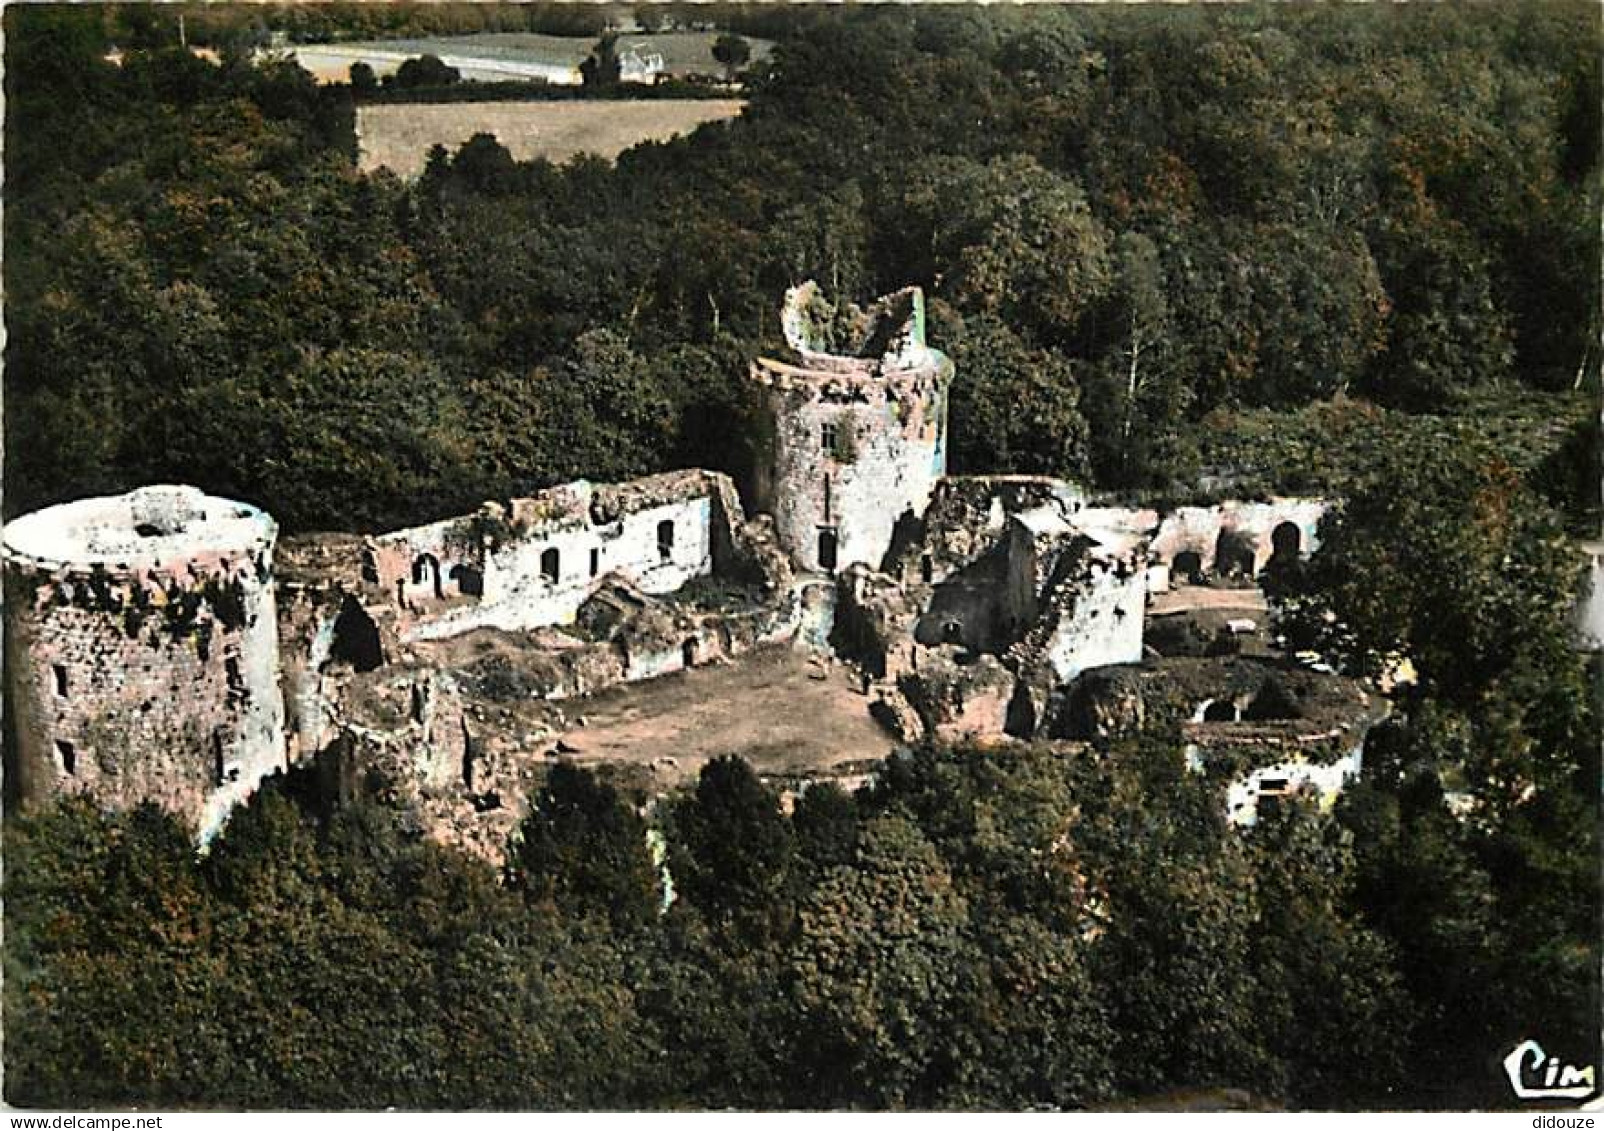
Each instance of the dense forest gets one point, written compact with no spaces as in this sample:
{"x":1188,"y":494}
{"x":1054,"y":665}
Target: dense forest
{"x":1303,"y":247}
{"x":1135,"y":225}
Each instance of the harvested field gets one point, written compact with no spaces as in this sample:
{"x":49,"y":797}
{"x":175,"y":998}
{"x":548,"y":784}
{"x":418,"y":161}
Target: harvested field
{"x":399,"y":136}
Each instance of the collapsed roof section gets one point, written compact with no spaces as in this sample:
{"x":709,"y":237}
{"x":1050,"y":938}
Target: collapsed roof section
{"x":887,"y":336}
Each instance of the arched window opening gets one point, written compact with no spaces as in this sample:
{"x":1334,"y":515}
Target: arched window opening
{"x":1187,"y":568}
{"x":550,"y":565}
{"x":665,"y":539}
{"x":426,"y":571}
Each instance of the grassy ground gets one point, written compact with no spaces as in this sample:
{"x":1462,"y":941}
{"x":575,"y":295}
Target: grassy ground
{"x":399,"y":136}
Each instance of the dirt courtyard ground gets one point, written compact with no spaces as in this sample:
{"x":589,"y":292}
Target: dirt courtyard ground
{"x":399,"y":136}
{"x":1184,"y":598}
{"x":784,"y":712}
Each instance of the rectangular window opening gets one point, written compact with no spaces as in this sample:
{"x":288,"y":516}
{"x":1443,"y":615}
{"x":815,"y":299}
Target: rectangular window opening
{"x":60,"y":672}
{"x":69,"y":757}
{"x":595,"y":562}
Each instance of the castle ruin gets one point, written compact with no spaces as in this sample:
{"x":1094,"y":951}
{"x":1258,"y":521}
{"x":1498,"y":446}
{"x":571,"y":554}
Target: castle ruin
{"x":158,"y":649}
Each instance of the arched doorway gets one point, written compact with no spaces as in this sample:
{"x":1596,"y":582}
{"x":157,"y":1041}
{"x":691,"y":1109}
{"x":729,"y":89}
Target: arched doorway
{"x":426,"y":571}
{"x":1220,"y":711}
{"x":827,"y":550}
{"x":1286,"y":540}
{"x":1186,"y":568}
{"x":356,"y":638}
{"x":1233,"y":555}
{"x":470,"y":582}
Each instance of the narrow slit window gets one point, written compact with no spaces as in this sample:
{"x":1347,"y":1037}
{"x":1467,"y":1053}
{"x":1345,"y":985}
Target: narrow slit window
{"x":60,"y":672}
{"x":829,"y":438}
{"x":595,"y":562}
{"x":69,"y":757}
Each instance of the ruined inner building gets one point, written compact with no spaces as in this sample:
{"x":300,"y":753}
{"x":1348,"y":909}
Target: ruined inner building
{"x":159,"y":645}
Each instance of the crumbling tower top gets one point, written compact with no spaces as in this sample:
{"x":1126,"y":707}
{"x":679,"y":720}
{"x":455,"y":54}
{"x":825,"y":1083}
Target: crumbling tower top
{"x":888,"y":336}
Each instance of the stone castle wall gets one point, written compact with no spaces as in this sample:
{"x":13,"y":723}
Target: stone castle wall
{"x":144,"y":648}
{"x":536,"y":562}
{"x":142,"y":658}
{"x":1235,"y":537}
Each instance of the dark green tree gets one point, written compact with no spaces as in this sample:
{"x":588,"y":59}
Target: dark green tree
{"x":601,"y":67}
{"x":583,"y":849}
{"x":733,"y":52}
{"x":732,"y":853}
{"x":363,"y":81}
{"x":423,"y":72}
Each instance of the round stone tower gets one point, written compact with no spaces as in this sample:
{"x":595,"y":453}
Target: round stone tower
{"x":859,"y":426}
{"x":141,"y":652}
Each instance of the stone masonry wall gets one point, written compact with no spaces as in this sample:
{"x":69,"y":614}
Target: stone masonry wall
{"x":852,"y":454}
{"x":151,"y":681}
{"x":1207,"y":531}
{"x":537,"y":563}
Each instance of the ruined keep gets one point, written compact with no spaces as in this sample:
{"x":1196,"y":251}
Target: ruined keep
{"x":142,"y":652}
{"x":859,"y":426}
